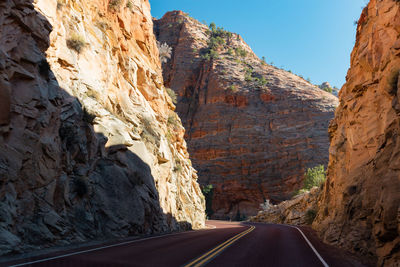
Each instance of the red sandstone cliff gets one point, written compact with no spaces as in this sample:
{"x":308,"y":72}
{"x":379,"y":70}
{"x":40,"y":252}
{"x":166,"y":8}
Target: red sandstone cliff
{"x":84,"y":120}
{"x":360,"y":204}
{"x":252,"y":129}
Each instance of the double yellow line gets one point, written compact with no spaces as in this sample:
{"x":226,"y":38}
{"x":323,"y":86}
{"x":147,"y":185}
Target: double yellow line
{"x":215,"y":251}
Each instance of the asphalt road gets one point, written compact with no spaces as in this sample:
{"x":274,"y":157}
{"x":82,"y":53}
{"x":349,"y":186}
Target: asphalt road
{"x":228,"y":244}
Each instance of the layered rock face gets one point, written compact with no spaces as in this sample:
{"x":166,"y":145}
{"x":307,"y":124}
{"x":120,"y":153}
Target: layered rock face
{"x":252,"y":129}
{"x":360,"y":204}
{"x":90,"y":147}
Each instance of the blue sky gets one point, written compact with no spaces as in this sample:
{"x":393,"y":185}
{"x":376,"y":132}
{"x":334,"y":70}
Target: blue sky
{"x":312,"y":38}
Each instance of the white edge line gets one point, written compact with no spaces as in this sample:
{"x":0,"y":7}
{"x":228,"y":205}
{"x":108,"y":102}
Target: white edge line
{"x":311,"y":246}
{"x":94,"y":249}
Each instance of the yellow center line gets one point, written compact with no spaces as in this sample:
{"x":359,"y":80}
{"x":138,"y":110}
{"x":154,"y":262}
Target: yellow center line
{"x":212,"y":253}
{"x":221,"y":245}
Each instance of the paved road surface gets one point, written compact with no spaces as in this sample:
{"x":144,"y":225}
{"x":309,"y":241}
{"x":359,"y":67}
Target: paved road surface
{"x":228,"y":244}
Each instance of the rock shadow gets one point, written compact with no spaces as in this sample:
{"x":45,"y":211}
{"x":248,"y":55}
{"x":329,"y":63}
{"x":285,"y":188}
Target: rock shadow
{"x":59,"y":182}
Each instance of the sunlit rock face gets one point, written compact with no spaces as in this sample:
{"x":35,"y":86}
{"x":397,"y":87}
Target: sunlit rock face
{"x":252,"y":129}
{"x":90,"y":147}
{"x":359,"y":208}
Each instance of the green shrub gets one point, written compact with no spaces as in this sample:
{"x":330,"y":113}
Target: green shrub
{"x":178,"y":166}
{"x":314,"y":177}
{"x":261,"y":81}
{"x":240,"y":52}
{"x":212,"y":27}
{"x":76,"y":42}
{"x":114,"y":4}
{"x":233,"y":88}
{"x":310,"y":216}
{"x":172,"y":120}
{"x":208,"y":192}
{"x":210,"y":54}
{"x":169,"y":136}
{"x":172,"y":95}
{"x":149,"y":135}
{"x":248,"y":76}
{"x":216,"y":39}
{"x":129,"y":5}
{"x":263,"y":61}
{"x":215,"y":42}
{"x":214,"y":54}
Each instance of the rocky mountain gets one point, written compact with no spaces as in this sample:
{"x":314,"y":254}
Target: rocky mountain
{"x":252,"y":129}
{"x":360,"y":204}
{"x":90,"y":147}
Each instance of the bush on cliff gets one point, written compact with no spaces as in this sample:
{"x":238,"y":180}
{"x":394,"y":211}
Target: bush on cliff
{"x":314,"y":177}
{"x":217,"y":38}
{"x":240,"y":52}
{"x":76,"y":42}
{"x":208,"y":191}
{"x":129,"y":5}
{"x":172,"y":95}
{"x":114,"y":4}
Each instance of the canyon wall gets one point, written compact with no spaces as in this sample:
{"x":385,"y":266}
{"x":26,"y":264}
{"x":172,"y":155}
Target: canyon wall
{"x":359,"y":207}
{"x":90,"y":147}
{"x":252,"y":129}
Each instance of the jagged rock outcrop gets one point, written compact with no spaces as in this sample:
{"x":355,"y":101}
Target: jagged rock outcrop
{"x":252,"y":129}
{"x":300,"y":210}
{"x":90,"y":147}
{"x":360,"y":204}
